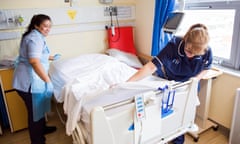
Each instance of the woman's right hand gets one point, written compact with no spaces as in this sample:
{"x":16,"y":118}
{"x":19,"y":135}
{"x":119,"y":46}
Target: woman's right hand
{"x":48,"y":89}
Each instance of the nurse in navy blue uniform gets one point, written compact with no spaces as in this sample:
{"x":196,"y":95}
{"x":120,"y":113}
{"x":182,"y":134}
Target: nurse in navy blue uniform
{"x":181,"y":59}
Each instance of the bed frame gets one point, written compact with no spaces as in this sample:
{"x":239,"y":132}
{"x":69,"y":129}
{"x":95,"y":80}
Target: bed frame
{"x":118,"y":123}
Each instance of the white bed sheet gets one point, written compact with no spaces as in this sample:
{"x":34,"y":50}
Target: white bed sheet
{"x":87,"y":68}
{"x":85,"y":76}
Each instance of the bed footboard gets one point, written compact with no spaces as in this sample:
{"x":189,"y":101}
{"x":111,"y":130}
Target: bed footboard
{"x":120,"y":125}
{"x":101,"y":129}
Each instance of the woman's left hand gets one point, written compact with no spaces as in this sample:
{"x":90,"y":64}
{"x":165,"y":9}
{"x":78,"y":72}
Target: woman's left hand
{"x":57,"y":56}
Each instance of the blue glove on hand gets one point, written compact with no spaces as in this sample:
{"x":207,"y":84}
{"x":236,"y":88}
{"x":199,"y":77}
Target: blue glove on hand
{"x":48,"y":89}
{"x":56,"y":56}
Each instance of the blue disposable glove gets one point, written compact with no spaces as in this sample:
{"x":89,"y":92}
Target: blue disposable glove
{"x":48,"y":89}
{"x":56,"y":56}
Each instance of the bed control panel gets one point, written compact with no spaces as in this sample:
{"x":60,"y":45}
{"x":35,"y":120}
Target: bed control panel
{"x":140,"y":107}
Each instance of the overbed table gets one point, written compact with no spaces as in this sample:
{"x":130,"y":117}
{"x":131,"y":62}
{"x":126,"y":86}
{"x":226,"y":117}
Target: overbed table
{"x":204,"y":97}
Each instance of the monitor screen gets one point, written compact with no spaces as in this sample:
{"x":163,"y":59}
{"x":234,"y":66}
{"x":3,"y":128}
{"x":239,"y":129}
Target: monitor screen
{"x":173,"y":22}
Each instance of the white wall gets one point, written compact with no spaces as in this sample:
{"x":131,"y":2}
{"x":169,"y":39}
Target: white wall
{"x":67,"y":44}
{"x":144,"y":25}
{"x":74,"y":44}
{"x":222,"y":98}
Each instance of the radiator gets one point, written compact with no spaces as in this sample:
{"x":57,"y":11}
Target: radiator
{"x":235,"y":127}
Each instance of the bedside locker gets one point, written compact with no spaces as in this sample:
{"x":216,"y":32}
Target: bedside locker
{"x":17,"y":112}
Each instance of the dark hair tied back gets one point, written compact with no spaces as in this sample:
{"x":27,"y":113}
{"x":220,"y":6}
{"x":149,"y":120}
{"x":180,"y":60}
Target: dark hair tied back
{"x":36,"y":21}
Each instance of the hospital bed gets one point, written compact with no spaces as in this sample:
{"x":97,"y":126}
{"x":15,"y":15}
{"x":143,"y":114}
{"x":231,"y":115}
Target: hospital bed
{"x":98,"y":111}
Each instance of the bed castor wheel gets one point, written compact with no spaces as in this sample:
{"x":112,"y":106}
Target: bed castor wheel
{"x":215,"y":128}
{"x":196,"y":139}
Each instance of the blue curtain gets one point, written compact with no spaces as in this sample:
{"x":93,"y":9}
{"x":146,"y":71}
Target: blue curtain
{"x":162,"y":9}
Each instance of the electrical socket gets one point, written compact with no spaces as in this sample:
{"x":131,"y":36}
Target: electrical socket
{"x":111,"y":10}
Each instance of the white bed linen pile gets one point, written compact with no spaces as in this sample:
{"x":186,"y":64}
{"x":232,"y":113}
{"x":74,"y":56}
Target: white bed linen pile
{"x":87,"y":67}
{"x":85,"y":75}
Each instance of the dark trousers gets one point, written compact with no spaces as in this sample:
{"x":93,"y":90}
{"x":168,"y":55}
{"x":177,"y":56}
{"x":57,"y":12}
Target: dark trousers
{"x":36,"y":129}
{"x":179,"y":140}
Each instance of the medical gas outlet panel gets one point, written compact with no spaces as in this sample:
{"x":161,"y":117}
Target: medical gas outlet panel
{"x":14,"y":21}
{"x":8,"y":19}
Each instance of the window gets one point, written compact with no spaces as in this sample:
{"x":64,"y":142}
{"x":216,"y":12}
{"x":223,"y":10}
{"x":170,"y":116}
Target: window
{"x":223,"y":21}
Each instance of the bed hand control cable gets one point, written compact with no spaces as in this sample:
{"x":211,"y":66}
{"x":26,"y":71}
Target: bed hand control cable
{"x":140,"y":113}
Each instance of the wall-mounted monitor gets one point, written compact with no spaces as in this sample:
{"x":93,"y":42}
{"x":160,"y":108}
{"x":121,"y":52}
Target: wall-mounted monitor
{"x":173,"y":22}
{"x":105,"y":1}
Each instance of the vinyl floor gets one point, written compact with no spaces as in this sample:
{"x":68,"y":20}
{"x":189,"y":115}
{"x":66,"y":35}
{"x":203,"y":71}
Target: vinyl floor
{"x":59,"y":137}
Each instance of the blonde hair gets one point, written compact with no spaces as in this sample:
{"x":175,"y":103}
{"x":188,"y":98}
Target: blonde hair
{"x":198,"y":37}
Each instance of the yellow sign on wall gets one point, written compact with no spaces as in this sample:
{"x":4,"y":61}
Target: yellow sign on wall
{"x":72,"y":14}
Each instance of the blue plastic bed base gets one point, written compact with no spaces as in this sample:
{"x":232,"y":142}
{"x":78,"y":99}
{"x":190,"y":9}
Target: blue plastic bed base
{"x":166,"y":113}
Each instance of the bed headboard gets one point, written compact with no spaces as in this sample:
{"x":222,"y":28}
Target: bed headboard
{"x":122,"y":39}
{"x":121,"y":45}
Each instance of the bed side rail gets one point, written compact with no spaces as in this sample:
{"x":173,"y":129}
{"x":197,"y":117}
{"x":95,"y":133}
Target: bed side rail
{"x":158,"y":92}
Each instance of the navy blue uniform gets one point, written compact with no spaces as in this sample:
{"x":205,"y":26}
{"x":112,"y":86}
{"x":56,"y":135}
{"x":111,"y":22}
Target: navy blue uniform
{"x":173,"y":64}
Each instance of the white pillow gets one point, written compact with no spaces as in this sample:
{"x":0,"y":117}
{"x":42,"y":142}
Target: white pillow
{"x":125,"y":57}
